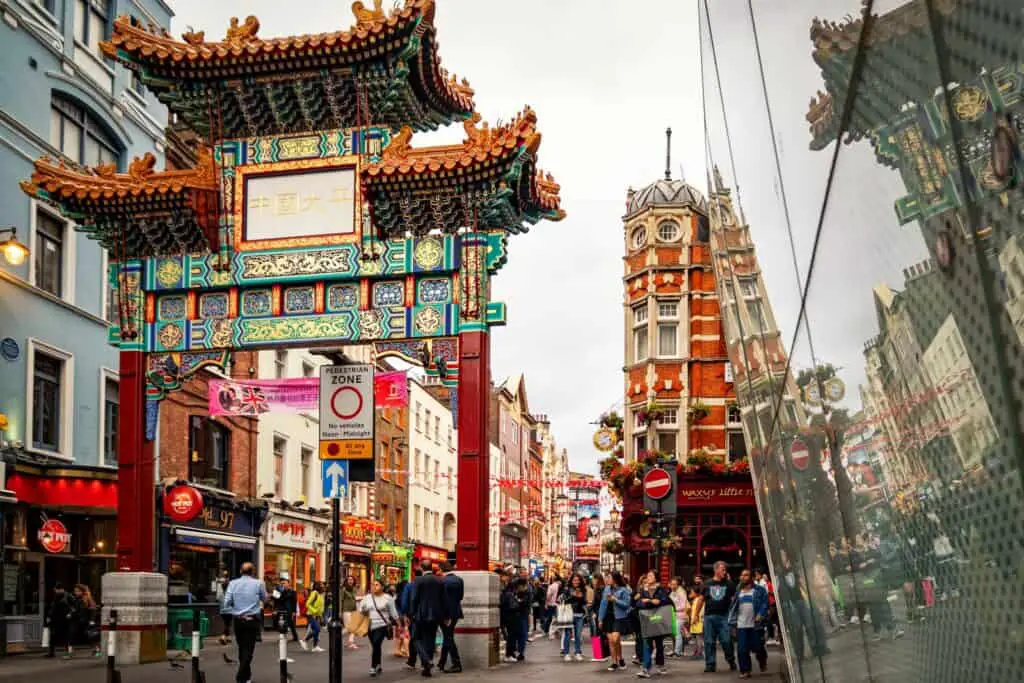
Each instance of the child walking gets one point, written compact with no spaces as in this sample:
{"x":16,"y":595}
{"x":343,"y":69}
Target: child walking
{"x":697,"y":623}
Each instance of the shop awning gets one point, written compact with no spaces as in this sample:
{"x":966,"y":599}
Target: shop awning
{"x":199,"y":537}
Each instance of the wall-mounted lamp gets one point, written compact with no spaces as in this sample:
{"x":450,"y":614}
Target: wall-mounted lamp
{"x":14,"y":251}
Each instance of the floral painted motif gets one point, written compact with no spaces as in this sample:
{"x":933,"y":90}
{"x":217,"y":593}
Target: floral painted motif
{"x":170,"y":336}
{"x":168,"y":272}
{"x":428,"y":321}
{"x":292,"y":263}
{"x":213,"y":306}
{"x":388,"y":294}
{"x":428,"y":254}
{"x":435,"y":291}
{"x":370,"y":325}
{"x":256,"y":303}
{"x":221,"y":334}
{"x":340,"y":327}
{"x":298,"y":300}
{"x":171,"y":308}
{"x":342,"y":297}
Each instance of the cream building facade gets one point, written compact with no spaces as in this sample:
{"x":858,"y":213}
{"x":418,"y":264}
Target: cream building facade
{"x":433,"y":442}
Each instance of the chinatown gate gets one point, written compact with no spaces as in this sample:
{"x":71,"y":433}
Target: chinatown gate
{"x":310,"y":220}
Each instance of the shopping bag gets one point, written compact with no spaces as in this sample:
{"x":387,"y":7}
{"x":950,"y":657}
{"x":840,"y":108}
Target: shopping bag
{"x":595,"y":647}
{"x":656,"y":623}
{"x":563,"y":617}
{"x":928,"y":589}
{"x":46,"y":637}
{"x":358,"y":624}
{"x":675,"y":624}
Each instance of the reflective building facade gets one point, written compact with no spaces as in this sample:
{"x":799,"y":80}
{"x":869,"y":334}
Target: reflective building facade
{"x":873,"y":152}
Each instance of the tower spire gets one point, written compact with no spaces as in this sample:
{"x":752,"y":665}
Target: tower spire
{"x":668,"y":154}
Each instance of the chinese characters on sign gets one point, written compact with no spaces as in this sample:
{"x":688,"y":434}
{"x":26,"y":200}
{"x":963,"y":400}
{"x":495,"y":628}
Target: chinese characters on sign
{"x":302,"y":204}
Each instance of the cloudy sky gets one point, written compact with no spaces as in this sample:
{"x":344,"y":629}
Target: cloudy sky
{"x":606,"y":78}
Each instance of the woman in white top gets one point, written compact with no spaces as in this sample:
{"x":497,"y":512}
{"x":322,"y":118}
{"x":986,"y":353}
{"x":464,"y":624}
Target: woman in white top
{"x":380,"y":607}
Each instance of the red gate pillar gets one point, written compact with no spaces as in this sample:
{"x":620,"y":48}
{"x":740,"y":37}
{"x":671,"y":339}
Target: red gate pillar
{"x":136,"y":510}
{"x":474,"y":398}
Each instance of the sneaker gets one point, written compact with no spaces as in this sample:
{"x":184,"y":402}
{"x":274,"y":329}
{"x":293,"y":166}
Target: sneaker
{"x":568,"y":658}
{"x":373,"y":673}
{"x":578,"y":657}
{"x":599,"y":659}
{"x":662,"y":671}
{"x":613,"y":667}
{"x":304,"y":645}
{"x":854,"y":619}
{"x":508,"y":660}
{"x":318,"y":649}
{"x":709,"y":669}
{"x":877,"y":638}
{"x":636,"y":660}
{"x":521,"y":658}
{"x":643,"y":673}
{"x":290,"y":660}
{"x":772,"y":642}
{"x":745,"y":675}
{"x":898,"y":633}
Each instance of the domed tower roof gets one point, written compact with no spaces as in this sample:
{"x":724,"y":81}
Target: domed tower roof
{"x":667,"y":192}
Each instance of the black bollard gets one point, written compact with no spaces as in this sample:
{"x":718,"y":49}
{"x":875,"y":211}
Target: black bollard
{"x":198,"y":675}
{"x":113,"y":675}
{"x":282,"y":645}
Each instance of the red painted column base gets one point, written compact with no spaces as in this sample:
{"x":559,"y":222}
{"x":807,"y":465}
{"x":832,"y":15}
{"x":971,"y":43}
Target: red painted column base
{"x":136,"y":508}
{"x":474,"y":398}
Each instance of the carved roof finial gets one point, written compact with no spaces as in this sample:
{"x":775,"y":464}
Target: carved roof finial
{"x":246,"y":33}
{"x":366,"y":16}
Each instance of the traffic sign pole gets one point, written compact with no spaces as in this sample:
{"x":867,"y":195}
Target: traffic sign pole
{"x":334,"y":628}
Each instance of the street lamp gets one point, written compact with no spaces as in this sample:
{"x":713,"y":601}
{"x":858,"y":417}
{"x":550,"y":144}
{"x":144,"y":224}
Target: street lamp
{"x":14,"y":251}
{"x":614,"y":515}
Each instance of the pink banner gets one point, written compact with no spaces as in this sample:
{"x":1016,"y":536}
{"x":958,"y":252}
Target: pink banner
{"x":256,"y":397}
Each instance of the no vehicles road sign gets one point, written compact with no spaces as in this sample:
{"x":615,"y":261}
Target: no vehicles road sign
{"x":346,"y":412}
{"x":657,"y":484}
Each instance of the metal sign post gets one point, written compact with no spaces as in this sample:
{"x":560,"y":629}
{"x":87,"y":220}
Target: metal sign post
{"x":346,"y":434}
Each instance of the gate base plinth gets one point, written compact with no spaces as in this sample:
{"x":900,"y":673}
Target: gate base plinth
{"x":140,"y":599}
{"x":477,"y":634}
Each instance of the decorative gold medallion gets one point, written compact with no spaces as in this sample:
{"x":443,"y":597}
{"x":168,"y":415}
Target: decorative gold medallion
{"x":170,"y":336}
{"x":969,"y":103}
{"x":428,"y":253}
{"x":168,"y":272}
{"x":428,"y":321}
{"x":369,"y":325}
{"x":835,"y":390}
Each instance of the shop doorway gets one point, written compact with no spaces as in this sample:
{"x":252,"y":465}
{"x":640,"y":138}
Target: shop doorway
{"x":724,"y":544}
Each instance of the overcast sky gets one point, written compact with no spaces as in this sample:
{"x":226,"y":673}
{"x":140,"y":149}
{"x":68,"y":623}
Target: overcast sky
{"x":606,"y":78}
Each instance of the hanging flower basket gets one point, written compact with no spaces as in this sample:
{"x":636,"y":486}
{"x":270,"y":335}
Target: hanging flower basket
{"x":698,"y":411}
{"x":650,"y":413}
{"x":614,"y":546}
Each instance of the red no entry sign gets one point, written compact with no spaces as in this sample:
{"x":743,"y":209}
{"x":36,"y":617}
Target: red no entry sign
{"x":657,"y":484}
{"x":800,"y":455}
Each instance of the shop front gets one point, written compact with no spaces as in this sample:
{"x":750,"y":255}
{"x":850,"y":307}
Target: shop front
{"x":715,"y":521}
{"x":512,"y":537}
{"x":428,"y":553}
{"x":203,"y":534}
{"x":62,"y":529}
{"x":392,"y":563}
{"x":294,"y":547}
{"x":357,"y":536}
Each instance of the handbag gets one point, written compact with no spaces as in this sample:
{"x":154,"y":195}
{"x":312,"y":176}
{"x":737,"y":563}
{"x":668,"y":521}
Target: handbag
{"x":564,"y":615}
{"x":656,"y":623}
{"x":358,"y":624}
{"x":390,"y":625}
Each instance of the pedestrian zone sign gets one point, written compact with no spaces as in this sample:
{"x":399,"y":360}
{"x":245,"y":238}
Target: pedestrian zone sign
{"x":346,"y":412}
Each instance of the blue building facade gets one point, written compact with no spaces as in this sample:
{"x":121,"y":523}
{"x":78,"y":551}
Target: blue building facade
{"x":59,"y":96}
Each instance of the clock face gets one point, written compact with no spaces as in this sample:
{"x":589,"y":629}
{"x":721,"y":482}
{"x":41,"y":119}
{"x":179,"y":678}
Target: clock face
{"x":835,"y":390}
{"x":811,"y":394}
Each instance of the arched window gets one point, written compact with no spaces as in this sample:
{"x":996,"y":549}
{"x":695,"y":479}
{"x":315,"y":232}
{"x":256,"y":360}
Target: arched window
{"x":78,"y":135}
{"x":638,"y":238}
{"x":668,"y":231}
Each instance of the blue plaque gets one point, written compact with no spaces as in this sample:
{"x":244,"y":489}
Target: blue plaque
{"x":9,"y":349}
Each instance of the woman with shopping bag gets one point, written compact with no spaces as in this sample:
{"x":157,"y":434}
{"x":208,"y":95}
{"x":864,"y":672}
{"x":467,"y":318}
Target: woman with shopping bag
{"x":572,"y":608}
{"x":655,"y":612}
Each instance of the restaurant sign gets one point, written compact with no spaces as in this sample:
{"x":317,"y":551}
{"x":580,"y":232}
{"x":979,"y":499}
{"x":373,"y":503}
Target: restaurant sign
{"x":723,"y":494}
{"x":289,"y":533}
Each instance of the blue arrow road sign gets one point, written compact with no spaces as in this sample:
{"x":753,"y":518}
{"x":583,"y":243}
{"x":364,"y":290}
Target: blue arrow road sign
{"x":335,"y":478}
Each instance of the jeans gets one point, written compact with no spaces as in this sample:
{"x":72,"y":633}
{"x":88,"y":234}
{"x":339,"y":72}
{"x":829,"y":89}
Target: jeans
{"x":515,"y":643}
{"x":716,"y":629}
{"x":656,"y":647}
{"x":680,"y":639}
{"x":749,"y":640}
{"x":577,"y":630}
{"x":524,"y":630}
{"x":549,"y":616}
{"x":448,"y":646}
{"x":314,"y":630}
{"x":377,"y":637}
{"x":426,"y":642}
{"x":247,"y":631}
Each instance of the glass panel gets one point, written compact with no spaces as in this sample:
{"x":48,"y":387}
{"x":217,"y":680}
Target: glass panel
{"x":640,"y":343}
{"x":668,"y":336}
{"x":97,"y":31}
{"x":878,"y":160}
{"x":111,"y":410}
{"x":81,"y":14}
{"x":55,"y":127}
{"x":71,"y":145}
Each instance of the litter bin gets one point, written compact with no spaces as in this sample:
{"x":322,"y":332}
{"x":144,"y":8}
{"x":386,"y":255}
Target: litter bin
{"x":179,"y":628}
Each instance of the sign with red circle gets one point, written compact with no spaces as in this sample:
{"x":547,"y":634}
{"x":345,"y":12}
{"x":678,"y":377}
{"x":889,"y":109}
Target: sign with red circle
{"x":657,"y":484}
{"x":54,"y":536}
{"x":800,"y":455}
{"x":183,"y":503}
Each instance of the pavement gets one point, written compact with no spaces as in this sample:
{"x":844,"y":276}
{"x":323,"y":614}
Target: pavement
{"x":543,"y":663}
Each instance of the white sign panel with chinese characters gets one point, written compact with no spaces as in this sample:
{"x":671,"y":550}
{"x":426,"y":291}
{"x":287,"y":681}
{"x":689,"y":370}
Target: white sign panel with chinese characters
{"x":288,"y":532}
{"x":302,"y":204}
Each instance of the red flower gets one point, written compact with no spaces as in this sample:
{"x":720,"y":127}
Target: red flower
{"x":719,"y":468}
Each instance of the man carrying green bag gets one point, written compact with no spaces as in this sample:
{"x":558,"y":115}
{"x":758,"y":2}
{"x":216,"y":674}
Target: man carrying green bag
{"x":657,"y":614}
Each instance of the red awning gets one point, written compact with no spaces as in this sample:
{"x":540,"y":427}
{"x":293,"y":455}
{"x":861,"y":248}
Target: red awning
{"x":64,"y":492}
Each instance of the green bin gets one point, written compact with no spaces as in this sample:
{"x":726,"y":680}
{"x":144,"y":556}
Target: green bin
{"x":179,"y":628}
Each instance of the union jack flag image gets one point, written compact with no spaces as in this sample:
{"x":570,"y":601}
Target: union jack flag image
{"x":252,"y":401}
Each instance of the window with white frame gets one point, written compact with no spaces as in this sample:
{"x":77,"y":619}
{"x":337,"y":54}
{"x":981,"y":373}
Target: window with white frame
{"x":92,"y":18}
{"x":449,"y":436}
{"x":640,"y":314}
{"x":426,"y":422}
{"x":640,"y":444}
{"x":668,"y":231}
{"x":307,"y":369}
{"x":748,"y":287}
{"x":280,"y":447}
{"x":735,"y":417}
{"x":758,"y":319}
{"x":728,"y":373}
{"x":667,"y":442}
{"x":78,"y":135}
{"x":49,"y":415}
{"x":451,"y":484}
{"x":111,"y":408}
{"x":306,"y":465}
{"x":669,"y":417}
{"x":417,"y":517}
{"x":668,"y":339}
{"x":640,"y":333}
{"x":437,"y":429}
{"x":638,"y":238}
{"x":49,"y":252}
{"x":418,"y":417}
{"x":437,"y":477}
{"x":280,"y":364}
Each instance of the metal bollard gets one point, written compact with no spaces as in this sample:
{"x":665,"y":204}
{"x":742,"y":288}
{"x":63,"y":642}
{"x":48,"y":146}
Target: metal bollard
{"x":282,"y":646}
{"x":113,"y":675}
{"x":198,"y":676}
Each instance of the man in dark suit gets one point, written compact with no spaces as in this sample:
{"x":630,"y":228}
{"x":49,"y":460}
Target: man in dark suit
{"x":454,"y":590}
{"x":427,"y":612}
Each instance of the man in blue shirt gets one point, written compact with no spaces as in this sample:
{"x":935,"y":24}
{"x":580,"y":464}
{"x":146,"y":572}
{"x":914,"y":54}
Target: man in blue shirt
{"x":244,"y":601}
